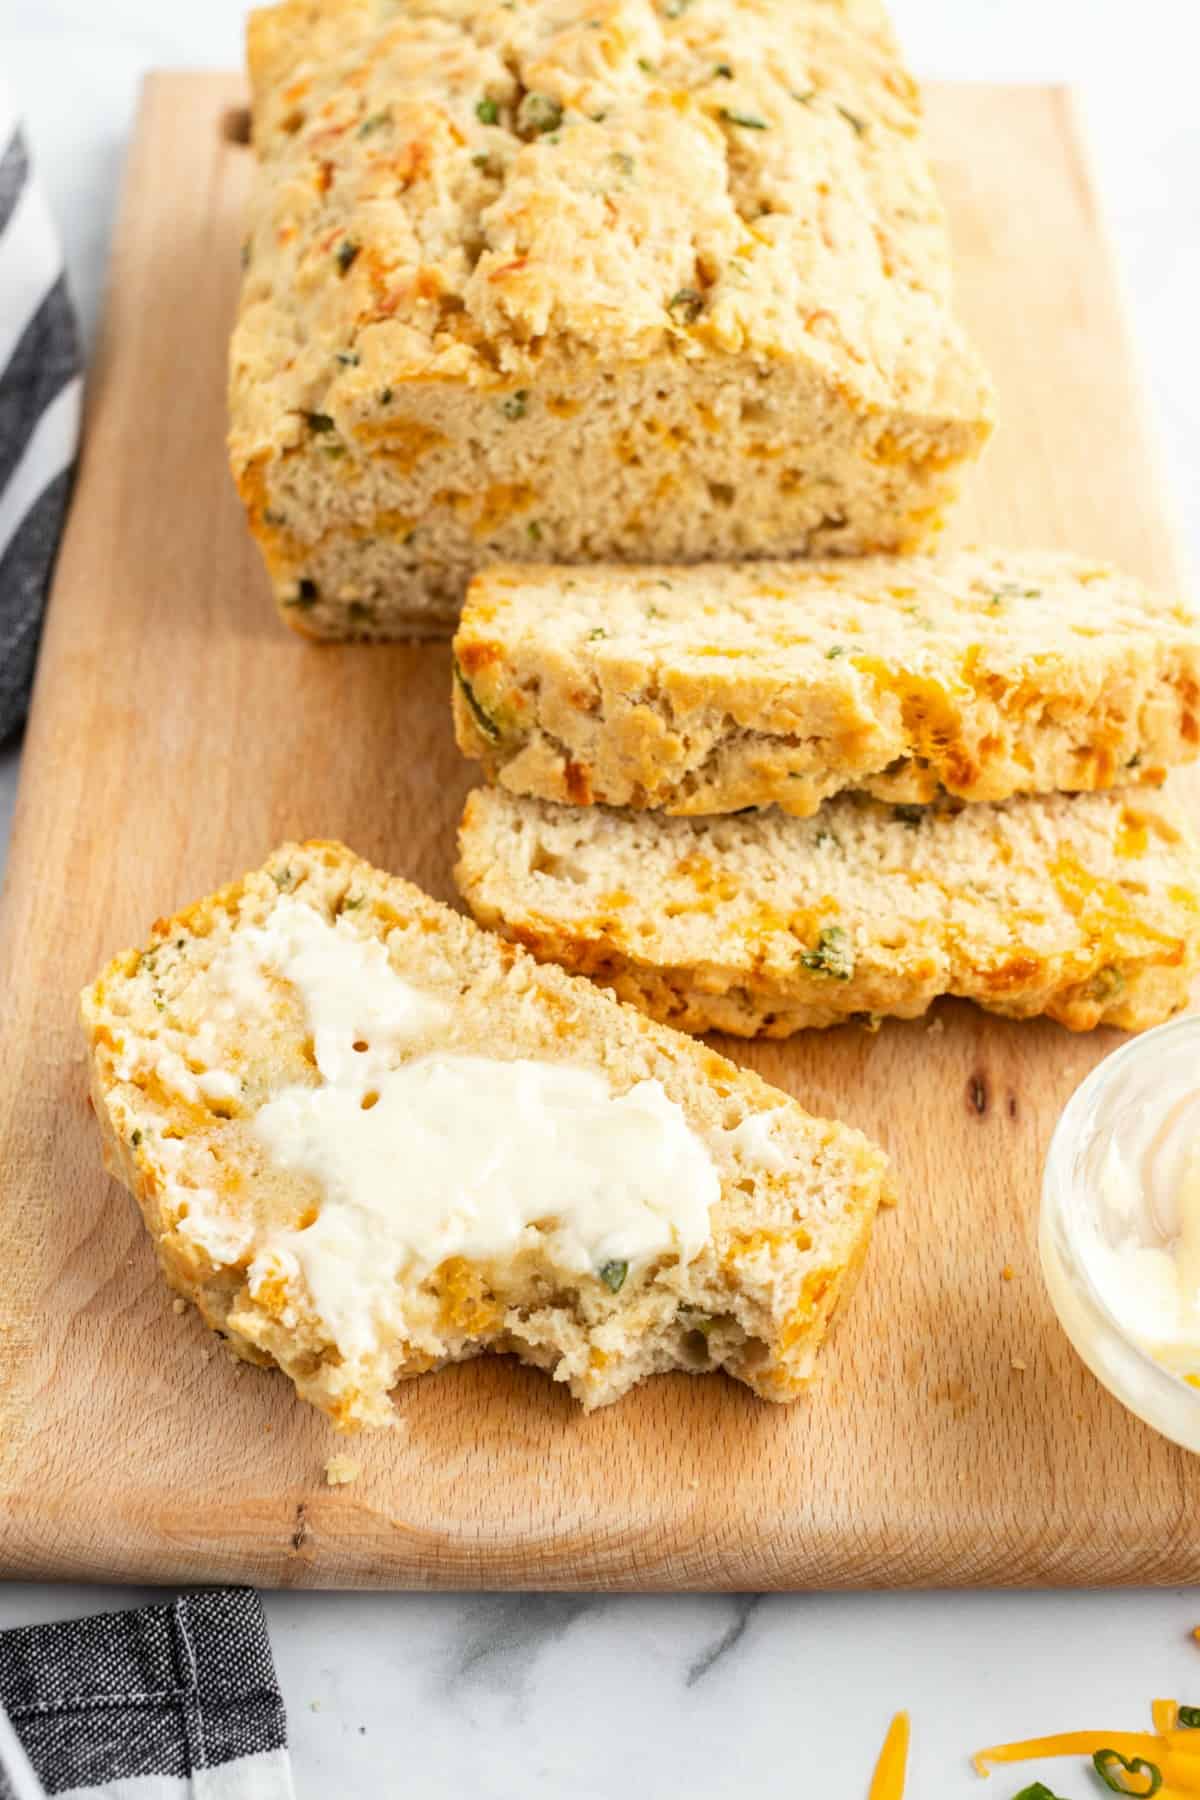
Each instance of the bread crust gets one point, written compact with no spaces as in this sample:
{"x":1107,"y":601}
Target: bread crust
{"x":983,"y":674}
{"x":786,"y":1238}
{"x":1083,"y":908}
{"x":585,"y":281}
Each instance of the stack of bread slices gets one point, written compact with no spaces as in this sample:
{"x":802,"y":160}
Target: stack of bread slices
{"x":596,"y":306}
{"x":761,"y":797}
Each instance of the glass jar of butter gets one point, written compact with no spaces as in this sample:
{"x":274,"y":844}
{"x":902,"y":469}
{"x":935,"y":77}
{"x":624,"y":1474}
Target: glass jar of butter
{"x":1120,"y":1226}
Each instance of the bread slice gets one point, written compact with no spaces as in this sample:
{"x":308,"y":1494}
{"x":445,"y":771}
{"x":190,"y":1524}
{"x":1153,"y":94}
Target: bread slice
{"x":581,"y":280}
{"x":986,"y":673}
{"x":224,"y":1078}
{"x":1086,"y":908}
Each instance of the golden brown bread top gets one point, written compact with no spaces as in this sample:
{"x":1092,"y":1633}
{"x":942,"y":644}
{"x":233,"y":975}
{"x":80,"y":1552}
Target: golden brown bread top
{"x":453,"y":189}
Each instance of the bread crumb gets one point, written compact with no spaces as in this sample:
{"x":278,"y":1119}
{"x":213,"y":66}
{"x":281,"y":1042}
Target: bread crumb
{"x":1018,"y":1363}
{"x":341,"y":1470}
{"x":1007,"y":1272}
{"x":179,"y":1306}
{"x":936,"y":1026}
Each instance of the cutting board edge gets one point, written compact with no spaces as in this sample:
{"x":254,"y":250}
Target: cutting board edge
{"x":302,"y":1548}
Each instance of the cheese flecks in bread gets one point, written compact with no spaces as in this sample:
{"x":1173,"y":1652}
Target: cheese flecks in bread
{"x":582,"y":280}
{"x":709,"y":689}
{"x":1084,"y":907}
{"x":369,"y":1139}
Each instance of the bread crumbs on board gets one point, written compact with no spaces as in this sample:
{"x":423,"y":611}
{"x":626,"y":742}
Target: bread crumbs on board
{"x":340,"y":1471}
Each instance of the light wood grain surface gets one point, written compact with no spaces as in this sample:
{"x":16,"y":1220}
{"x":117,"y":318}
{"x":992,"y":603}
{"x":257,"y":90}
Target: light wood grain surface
{"x":178,"y":733}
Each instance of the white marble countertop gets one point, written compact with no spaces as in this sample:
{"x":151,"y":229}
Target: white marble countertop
{"x":709,"y":1696}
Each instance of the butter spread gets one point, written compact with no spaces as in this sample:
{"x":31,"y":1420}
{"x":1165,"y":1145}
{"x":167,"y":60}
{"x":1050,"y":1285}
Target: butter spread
{"x":356,"y":1001}
{"x":359,"y":1010}
{"x":1144,"y":1257}
{"x":755,"y":1139}
{"x":422,"y":1156}
{"x":470,"y":1156}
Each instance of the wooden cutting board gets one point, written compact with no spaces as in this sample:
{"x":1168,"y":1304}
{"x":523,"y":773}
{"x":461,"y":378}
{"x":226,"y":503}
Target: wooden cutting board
{"x":178,"y":732}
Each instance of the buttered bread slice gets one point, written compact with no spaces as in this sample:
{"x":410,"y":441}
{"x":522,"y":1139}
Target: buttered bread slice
{"x":708,"y":689}
{"x":369,"y":1139}
{"x":1086,"y":908}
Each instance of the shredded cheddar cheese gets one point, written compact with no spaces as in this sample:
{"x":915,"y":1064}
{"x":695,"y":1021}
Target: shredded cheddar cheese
{"x":1070,"y":1743}
{"x":1165,"y":1762}
{"x":887,"y":1783}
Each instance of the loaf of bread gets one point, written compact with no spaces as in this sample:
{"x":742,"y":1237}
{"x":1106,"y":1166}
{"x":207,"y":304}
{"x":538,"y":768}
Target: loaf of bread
{"x":576,"y":280}
{"x":1086,"y":908}
{"x":369,"y":1139}
{"x":713,"y":688}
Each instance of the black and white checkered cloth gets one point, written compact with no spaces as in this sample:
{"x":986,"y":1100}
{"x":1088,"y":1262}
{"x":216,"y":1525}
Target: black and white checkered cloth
{"x":174,"y":1702}
{"x":40,"y":395}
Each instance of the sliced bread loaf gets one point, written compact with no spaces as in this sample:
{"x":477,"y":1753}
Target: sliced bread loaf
{"x":369,"y":1139}
{"x":709,"y":689}
{"x":1086,"y":908}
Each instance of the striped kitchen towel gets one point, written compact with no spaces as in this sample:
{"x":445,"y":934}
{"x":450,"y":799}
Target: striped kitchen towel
{"x":41,"y":391}
{"x":174,"y":1702}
